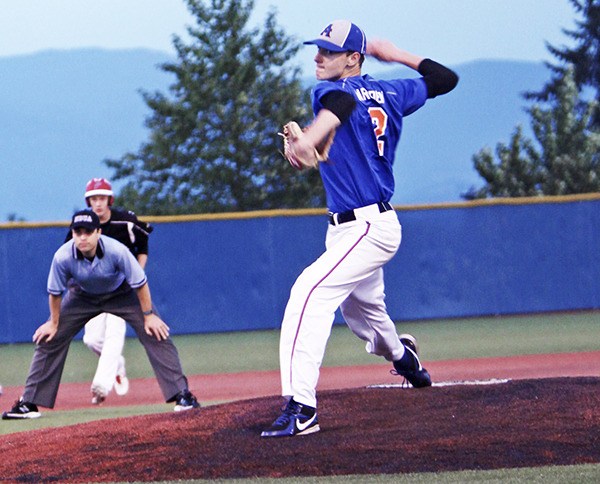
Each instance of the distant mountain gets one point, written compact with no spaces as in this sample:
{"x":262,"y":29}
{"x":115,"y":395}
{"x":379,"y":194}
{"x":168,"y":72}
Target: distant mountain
{"x":63,"y":112}
{"x":434,"y":161}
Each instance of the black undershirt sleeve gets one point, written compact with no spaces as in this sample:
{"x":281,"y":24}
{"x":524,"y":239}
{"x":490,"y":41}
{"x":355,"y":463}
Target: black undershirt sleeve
{"x":438,"y":78}
{"x":339,"y":103}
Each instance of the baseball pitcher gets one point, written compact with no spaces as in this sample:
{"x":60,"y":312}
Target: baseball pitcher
{"x":353,"y":140}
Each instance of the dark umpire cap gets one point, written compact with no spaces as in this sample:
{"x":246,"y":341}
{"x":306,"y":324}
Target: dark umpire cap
{"x":341,"y":36}
{"x":85,"y":219}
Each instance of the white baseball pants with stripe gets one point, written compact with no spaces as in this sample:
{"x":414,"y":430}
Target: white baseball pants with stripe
{"x":349,"y":275}
{"x":105,"y":336}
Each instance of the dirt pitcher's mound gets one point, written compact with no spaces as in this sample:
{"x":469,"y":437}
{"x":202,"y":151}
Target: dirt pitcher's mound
{"x":364,"y":431}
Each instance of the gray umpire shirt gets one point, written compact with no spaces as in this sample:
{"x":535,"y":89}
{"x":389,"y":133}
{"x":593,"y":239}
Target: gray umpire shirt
{"x":112,"y":265}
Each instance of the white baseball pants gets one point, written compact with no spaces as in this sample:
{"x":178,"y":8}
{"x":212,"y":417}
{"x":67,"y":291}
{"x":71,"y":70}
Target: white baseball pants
{"x":349,"y":274}
{"x":105,"y":336}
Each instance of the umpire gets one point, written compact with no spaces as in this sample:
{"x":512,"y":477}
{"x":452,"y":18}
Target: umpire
{"x":106,"y":277}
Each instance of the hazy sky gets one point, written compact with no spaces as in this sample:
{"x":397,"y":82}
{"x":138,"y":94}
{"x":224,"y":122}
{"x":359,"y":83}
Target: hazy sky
{"x":450,"y":31}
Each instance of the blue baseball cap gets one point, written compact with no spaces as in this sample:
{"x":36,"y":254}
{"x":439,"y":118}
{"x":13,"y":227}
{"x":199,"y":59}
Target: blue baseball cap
{"x":341,"y":36}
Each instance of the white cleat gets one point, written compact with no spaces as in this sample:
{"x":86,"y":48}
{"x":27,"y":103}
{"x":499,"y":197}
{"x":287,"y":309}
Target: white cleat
{"x":121,"y":385}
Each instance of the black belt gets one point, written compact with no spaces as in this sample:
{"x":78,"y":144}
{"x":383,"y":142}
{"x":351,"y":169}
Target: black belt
{"x":349,"y":216}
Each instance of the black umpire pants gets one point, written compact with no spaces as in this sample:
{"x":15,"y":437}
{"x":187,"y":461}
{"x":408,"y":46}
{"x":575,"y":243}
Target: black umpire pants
{"x":77,"y":308}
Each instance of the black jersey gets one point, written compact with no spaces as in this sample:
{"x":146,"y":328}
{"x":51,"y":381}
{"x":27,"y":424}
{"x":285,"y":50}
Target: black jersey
{"x":125,"y":227}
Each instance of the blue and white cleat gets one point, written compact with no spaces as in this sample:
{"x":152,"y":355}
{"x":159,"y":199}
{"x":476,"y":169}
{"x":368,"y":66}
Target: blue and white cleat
{"x":296,"y":419}
{"x":409,"y":366}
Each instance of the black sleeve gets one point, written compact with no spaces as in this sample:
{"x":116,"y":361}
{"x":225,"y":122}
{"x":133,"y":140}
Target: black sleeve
{"x":141,"y":231}
{"x":339,"y":103}
{"x":141,"y":240}
{"x":129,"y":216}
{"x":143,"y":226}
{"x":438,"y":78}
{"x":125,"y":227}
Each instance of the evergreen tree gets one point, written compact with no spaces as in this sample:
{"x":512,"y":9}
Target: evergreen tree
{"x":570,"y":143}
{"x":567,"y":160}
{"x":583,"y":57}
{"x":213,"y":142}
{"x":514,"y":175}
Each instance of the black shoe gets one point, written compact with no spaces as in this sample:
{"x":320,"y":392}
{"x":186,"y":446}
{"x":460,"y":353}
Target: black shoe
{"x":22,"y":410}
{"x":185,"y":400}
{"x":296,"y":419}
{"x":409,"y":365}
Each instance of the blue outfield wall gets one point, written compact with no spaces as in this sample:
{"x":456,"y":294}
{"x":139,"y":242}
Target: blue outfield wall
{"x":231,"y":272}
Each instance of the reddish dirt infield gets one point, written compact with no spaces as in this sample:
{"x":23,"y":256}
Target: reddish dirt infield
{"x":538,"y":418}
{"x":237,"y":386}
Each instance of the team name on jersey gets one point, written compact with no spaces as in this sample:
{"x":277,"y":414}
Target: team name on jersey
{"x":364,"y":94}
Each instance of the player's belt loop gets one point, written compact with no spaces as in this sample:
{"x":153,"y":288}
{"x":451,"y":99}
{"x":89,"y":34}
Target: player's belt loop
{"x":350,"y":215}
{"x":384,"y":207}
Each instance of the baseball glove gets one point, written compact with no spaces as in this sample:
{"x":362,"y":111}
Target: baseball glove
{"x":297,"y":158}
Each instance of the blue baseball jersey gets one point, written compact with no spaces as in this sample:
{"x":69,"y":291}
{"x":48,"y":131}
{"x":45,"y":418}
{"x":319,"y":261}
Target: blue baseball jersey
{"x":360,"y":167}
{"x":112,"y":265}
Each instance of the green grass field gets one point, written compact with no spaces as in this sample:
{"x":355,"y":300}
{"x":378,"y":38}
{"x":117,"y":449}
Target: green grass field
{"x":531,"y":475}
{"x":258,"y":350}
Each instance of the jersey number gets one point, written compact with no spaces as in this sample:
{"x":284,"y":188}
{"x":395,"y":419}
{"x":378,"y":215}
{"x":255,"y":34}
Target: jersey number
{"x":379,"y":118}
